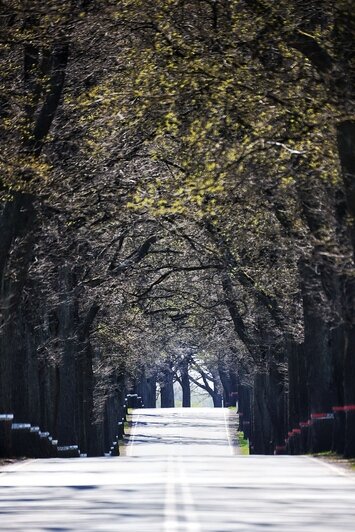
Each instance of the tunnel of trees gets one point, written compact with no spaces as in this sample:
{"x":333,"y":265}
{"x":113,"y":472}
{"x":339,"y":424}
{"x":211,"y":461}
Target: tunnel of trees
{"x":177,"y":192}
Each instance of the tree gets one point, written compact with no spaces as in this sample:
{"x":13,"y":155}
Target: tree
{"x":177,"y":180}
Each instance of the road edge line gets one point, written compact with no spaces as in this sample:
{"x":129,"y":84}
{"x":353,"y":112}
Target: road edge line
{"x":332,"y":467}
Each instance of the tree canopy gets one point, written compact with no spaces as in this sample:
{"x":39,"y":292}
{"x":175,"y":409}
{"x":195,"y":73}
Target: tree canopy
{"x":177,"y":185}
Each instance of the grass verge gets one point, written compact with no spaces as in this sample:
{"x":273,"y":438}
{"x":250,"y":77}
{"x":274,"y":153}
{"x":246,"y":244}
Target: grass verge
{"x":243,"y":444}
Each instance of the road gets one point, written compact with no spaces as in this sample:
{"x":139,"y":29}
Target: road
{"x":181,"y":473}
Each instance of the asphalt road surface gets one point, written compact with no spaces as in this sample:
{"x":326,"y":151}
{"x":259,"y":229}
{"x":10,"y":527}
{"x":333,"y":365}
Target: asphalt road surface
{"x":181,"y":472}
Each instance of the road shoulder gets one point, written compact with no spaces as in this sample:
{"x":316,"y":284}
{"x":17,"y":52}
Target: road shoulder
{"x":344,"y":464}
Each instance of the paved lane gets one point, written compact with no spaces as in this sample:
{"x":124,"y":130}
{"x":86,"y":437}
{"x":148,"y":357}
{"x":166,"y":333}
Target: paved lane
{"x":180,"y":473}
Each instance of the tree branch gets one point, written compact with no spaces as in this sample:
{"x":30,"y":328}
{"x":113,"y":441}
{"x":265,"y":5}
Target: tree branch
{"x":135,"y":257}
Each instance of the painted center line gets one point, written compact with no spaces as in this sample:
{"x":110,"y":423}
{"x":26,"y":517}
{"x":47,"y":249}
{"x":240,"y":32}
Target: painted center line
{"x":179,"y":510}
{"x":171,"y":521}
{"x":192,"y":524}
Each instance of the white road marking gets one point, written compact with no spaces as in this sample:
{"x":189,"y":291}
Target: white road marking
{"x":336,"y":469}
{"x":132,"y":437}
{"x":9,"y":468}
{"x":227,"y":432}
{"x":177,"y":481}
{"x":171,"y":522}
{"x":192,"y":524}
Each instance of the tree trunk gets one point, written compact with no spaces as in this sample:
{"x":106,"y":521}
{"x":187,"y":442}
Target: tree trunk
{"x":229,"y":384}
{"x":337,"y":347}
{"x":217,"y":399}
{"x":185,"y":384}
{"x":167,"y":391}
{"x":16,"y":222}
{"x":244,"y":409}
{"x":146,"y":388}
{"x":261,"y":432}
{"x":346,"y":146}
{"x":319,"y":366}
{"x":151,"y":399}
{"x":67,"y":430}
{"x":349,"y":393}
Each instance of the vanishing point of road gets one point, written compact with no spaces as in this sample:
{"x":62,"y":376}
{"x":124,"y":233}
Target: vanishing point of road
{"x":181,"y":472}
